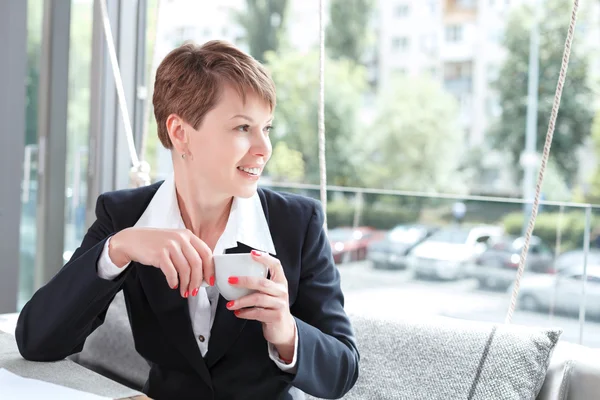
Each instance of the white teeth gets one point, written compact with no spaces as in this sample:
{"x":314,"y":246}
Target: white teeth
{"x":253,"y":171}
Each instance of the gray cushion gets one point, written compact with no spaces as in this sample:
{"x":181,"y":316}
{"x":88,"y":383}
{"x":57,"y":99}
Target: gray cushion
{"x":110,"y":349}
{"x":439,"y":358}
{"x":443,"y":358}
{"x":574,"y":374}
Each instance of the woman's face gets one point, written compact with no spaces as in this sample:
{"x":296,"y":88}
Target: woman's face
{"x":228,"y":152}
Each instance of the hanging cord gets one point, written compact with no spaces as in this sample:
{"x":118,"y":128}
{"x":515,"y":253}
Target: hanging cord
{"x":139,"y":175}
{"x":321,"y":128}
{"x":545,"y":155}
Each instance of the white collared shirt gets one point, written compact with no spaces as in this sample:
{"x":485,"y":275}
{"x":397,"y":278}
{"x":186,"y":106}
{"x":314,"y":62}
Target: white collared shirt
{"x":246,"y":224}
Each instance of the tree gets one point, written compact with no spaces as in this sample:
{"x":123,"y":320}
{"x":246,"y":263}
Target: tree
{"x":593,"y":194}
{"x":297,"y":78}
{"x":415,"y":142}
{"x":286,"y":165}
{"x":347,"y":34}
{"x":575,"y":115}
{"x":264,"y":23}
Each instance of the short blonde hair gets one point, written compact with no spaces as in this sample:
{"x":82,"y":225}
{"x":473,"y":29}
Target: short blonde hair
{"x":190,"y":79}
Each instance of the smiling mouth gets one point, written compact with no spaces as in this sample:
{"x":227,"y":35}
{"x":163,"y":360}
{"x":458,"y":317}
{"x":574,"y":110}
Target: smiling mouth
{"x":251,"y":171}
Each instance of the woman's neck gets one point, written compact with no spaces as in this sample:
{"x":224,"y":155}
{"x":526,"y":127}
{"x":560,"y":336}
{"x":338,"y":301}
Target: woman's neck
{"x":205,"y":217}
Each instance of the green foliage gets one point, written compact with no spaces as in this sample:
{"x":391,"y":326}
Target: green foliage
{"x":286,"y":164}
{"x":348,"y":33}
{"x":594,"y":191}
{"x":575,"y":115}
{"x":264,"y":24}
{"x":297,"y":77}
{"x":555,"y":187}
{"x":379,"y":216}
{"x":571,"y":225}
{"x":415,"y":141}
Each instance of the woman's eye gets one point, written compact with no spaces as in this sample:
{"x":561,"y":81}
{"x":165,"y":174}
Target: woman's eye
{"x":268,"y":128}
{"x":243,"y":128}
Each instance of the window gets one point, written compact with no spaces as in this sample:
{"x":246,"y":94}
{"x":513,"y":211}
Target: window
{"x":454,"y":33}
{"x":453,"y":71}
{"x":402,"y":10}
{"x":399,"y":72}
{"x":433,"y":6}
{"x":579,"y":277}
{"x":466,"y":3}
{"x":400,"y":43}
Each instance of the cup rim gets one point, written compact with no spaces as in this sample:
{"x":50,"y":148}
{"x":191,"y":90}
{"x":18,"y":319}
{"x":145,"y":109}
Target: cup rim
{"x":231,"y":255}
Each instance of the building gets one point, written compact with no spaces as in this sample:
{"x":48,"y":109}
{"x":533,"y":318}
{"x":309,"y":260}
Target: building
{"x":456,"y":42}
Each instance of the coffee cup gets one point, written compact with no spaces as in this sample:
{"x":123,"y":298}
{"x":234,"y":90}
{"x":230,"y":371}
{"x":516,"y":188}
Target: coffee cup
{"x":227,"y":265}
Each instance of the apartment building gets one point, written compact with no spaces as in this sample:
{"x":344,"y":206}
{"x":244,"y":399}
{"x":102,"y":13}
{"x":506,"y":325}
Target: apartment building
{"x":454,"y":41}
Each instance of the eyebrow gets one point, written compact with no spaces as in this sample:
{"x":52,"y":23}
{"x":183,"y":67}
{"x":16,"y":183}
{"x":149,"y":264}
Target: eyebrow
{"x":247,"y":118}
{"x":243,"y":116}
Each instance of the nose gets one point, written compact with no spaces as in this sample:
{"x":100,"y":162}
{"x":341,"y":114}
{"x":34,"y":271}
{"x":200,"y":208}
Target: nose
{"x":261,"y":146}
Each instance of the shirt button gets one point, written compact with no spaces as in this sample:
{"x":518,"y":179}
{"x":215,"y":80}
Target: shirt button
{"x":201,"y":339}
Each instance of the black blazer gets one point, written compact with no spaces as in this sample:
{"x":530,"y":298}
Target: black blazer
{"x":57,"y":320}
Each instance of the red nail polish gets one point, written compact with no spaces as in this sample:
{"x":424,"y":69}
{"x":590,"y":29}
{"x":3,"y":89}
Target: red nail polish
{"x":195,"y":292}
{"x":233,"y":280}
{"x":186,"y":294}
{"x":230,"y":304}
{"x":211,"y":281}
{"x":237,"y":312}
{"x":176,"y":286}
{"x":256,"y":253}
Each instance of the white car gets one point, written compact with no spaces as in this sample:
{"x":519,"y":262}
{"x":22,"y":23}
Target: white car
{"x":448,"y":253}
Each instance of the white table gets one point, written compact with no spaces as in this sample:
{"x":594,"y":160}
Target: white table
{"x":65,"y":372}
{"x":8,"y":322}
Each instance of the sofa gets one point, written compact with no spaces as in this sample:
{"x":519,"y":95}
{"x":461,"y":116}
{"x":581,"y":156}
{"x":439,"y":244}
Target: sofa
{"x":430,"y":358}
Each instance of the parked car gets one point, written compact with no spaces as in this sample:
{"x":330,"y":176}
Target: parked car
{"x":448,"y":253}
{"x":561,"y":292}
{"x":496,"y":267}
{"x":350,"y":244}
{"x":392,"y":250}
{"x":575,"y":258}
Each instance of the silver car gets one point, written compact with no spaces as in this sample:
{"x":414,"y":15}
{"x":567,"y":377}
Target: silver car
{"x":561,"y":292}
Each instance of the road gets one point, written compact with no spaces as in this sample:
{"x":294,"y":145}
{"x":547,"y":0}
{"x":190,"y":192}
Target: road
{"x":394,"y":294}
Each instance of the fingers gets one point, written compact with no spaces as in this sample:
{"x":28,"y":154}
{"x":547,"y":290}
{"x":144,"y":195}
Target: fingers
{"x":168,"y":269}
{"x":183,"y":269}
{"x":205,"y":253}
{"x":195,"y":263}
{"x":258,"y":307}
{"x":259,"y":300}
{"x":265,"y":315}
{"x":273,"y":264}
{"x":259,"y":284}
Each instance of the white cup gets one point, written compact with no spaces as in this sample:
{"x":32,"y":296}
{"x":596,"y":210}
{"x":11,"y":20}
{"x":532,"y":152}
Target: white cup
{"x":227,"y":265}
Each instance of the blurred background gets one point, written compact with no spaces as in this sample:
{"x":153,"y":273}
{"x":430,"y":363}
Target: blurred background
{"x":436,"y":112}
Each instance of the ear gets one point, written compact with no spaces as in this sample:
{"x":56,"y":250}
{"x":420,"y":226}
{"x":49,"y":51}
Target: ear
{"x":177,"y":133}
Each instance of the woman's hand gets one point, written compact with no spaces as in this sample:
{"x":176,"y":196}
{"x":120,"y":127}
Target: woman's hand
{"x":269,"y":305}
{"x":184,"y":259}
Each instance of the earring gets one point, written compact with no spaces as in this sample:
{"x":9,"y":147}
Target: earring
{"x":183,"y":156}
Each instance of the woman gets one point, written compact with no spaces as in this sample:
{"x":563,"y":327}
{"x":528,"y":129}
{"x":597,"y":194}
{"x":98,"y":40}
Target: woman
{"x":214,"y":106}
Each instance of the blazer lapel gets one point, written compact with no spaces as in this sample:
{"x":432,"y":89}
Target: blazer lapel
{"x":226,"y":326}
{"x":172,"y":312}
